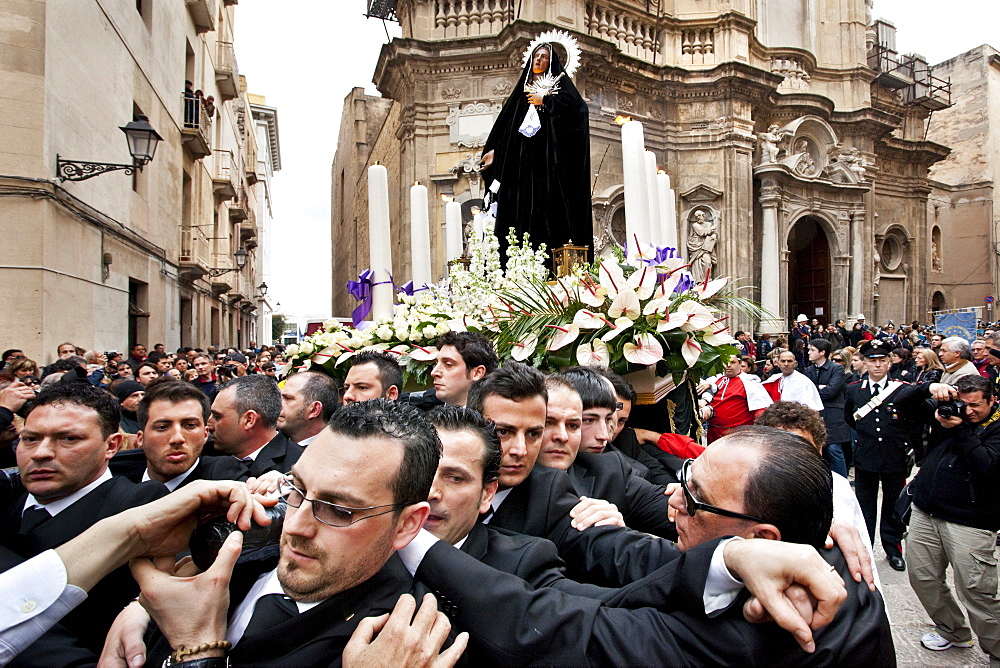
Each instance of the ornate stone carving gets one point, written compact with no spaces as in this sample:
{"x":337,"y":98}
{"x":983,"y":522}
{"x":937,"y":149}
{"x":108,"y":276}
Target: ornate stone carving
{"x":451,"y":93}
{"x":771,"y":144}
{"x":855,"y":162}
{"x":467,"y":165}
{"x":470,"y":125}
{"x":501,"y":87}
{"x":703,"y":235}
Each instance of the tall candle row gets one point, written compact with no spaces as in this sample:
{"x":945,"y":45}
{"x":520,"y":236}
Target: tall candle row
{"x":650,"y":208}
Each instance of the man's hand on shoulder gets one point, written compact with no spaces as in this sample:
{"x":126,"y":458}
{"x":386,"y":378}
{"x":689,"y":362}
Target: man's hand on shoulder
{"x":595,"y":512}
{"x":402,"y":639}
{"x":769,"y":568}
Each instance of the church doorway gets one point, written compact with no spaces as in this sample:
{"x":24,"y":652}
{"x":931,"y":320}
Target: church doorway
{"x":809,"y":272}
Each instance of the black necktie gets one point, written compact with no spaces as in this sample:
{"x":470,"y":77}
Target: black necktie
{"x":875,"y":389}
{"x":32,"y":519}
{"x":269,"y":611}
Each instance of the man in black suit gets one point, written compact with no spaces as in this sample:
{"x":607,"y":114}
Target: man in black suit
{"x":573,"y":398}
{"x":464,"y":487}
{"x":68,"y":437}
{"x":244,"y":421}
{"x":308,"y":399}
{"x":357,"y":494}
{"x":762,"y":483}
{"x":540,"y":501}
{"x":831,"y":381}
{"x":662,"y":466}
{"x":172,"y":433}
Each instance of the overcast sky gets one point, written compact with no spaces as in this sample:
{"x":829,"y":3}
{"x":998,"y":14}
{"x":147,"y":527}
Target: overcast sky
{"x":305,"y":56}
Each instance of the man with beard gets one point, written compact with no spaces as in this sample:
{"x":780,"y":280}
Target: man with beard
{"x":357,"y":495}
{"x":308,"y":399}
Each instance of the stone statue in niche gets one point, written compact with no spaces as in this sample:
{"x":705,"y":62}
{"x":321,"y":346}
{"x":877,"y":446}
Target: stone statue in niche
{"x":701,"y":243}
{"x":936,"y":263}
{"x":770,"y":144}
{"x":878,"y":267}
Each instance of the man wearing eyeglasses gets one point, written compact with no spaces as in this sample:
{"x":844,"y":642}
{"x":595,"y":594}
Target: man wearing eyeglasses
{"x":757,"y":483}
{"x":357,"y":494}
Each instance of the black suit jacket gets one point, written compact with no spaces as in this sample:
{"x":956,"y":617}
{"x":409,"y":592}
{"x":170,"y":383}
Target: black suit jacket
{"x":513,"y":624}
{"x":131,"y":464}
{"x":884,"y":435}
{"x":534,"y":560}
{"x":605,"y":556}
{"x":832,"y":376}
{"x":91,"y":620}
{"x":606,"y":476}
{"x":662,"y":467}
{"x":313,"y":638}
{"x":280,"y":454}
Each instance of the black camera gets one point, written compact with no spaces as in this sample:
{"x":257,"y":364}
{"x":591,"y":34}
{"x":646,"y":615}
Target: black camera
{"x":209,"y":537}
{"x":951,"y":409}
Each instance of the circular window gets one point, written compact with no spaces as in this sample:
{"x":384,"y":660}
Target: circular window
{"x":892,"y":253}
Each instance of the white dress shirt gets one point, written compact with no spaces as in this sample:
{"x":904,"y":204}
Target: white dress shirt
{"x":174,"y":482}
{"x":797,"y":387}
{"x":33,"y":597}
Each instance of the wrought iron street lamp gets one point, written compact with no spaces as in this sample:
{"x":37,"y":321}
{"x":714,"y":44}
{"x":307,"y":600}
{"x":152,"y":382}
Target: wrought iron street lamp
{"x":241,"y":261}
{"x":142,"y":141}
{"x":263,"y":289}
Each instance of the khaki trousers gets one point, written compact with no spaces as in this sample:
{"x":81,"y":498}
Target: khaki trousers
{"x":931,"y":546}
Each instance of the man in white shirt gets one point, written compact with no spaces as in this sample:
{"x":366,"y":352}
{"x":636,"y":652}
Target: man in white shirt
{"x":790,"y":385}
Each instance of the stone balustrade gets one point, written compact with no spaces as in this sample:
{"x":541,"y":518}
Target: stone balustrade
{"x":635,"y":32}
{"x":470,"y":18}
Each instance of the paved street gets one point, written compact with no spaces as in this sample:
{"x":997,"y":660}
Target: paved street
{"x":910,"y":622}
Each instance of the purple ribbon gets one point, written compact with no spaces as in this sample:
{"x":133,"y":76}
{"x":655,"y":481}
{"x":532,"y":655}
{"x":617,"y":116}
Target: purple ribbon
{"x":408,"y":289}
{"x":361,"y":290}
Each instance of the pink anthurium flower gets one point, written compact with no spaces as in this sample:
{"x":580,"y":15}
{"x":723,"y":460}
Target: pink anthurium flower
{"x":691,"y":351}
{"x":619,"y":326}
{"x":646,"y":350}
{"x":424,"y":354}
{"x":565,"y":335}
{"x":585,"y":319}
{"x":522,"y":350}
{"x":593,"y":354}
{"x":698,"y":315}
{"x":626,"y":303}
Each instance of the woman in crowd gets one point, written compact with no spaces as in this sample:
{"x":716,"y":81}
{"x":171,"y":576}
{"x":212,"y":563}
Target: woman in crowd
{"x":928,"y":366}
{"x":22,"y":367}
{"x":902,"y":367}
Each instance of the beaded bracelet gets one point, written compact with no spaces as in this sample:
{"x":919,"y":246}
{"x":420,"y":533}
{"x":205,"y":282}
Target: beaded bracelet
{"x":178,"y":654}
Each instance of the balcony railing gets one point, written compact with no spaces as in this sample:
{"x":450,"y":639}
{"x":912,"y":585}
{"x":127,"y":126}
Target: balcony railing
{"x":194,"y":253}
{"x":470,"y":18}
{"x":202,"y":14}
{"x":227,"y":74}
{"x":224,"y":175}
{"x":196,"y":127}
{"x":250,"y":162}
{"x":636,"y":34}
{"x":238,"y":207}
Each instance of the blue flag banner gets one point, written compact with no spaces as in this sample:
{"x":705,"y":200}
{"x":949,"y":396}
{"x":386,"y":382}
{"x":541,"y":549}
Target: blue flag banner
{"x":957,"y":324}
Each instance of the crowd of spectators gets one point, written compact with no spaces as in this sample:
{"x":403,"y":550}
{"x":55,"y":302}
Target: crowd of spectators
{"x":570,"y":519}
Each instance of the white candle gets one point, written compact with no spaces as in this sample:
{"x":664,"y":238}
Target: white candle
{"x":453,"y":231}
{"x":668,"y":217}
{"x":379,"y":243}
{"x":655,"y":235}
{"x":420,"y":236}
{"x":634,"y":171}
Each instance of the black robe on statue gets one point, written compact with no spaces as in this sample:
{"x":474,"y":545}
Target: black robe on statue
{"x":545,"y":179}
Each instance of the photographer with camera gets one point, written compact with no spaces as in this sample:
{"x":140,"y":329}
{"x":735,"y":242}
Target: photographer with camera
{"x":955,"y":516}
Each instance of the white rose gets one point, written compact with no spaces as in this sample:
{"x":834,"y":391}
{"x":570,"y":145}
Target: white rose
{"x":306,"y":348}
{"x":292,"y":350}
{"x":384,"y":332}
{"x":430,"y":331}
{"x":443,"y":329}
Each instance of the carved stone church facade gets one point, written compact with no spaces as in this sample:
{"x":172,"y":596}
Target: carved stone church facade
{"x":790,"y":128}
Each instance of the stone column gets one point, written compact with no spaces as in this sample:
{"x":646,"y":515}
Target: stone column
{"x":770,"y":268}
{"x":857,"y":264}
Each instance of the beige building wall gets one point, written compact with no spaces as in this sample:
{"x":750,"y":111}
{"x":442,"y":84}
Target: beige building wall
{"x":705,"y":77}
{"x":101,"y":262}
{"x":961,"y":208}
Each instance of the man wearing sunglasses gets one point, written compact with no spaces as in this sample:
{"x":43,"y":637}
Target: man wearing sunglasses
{"x":357,"y":494}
